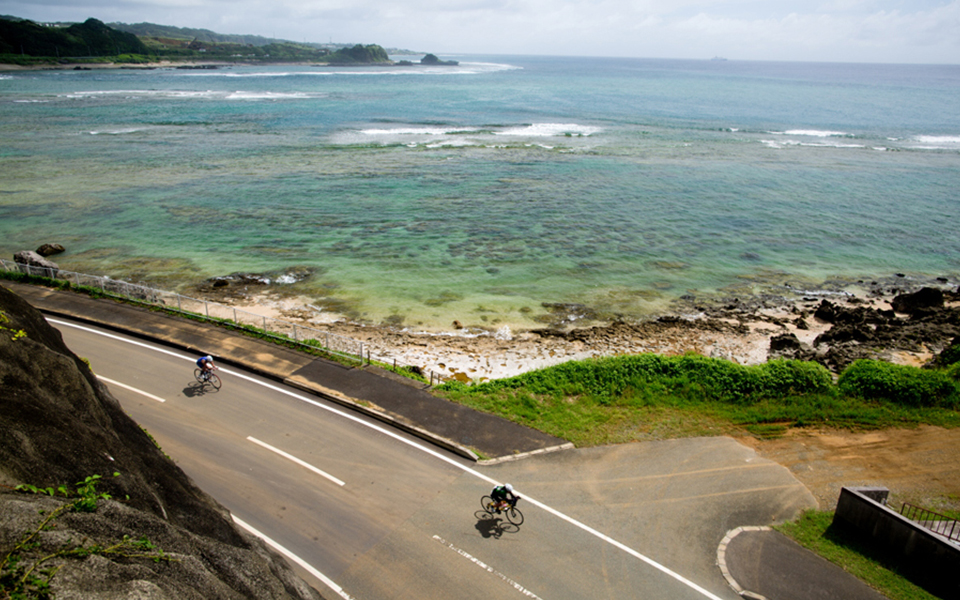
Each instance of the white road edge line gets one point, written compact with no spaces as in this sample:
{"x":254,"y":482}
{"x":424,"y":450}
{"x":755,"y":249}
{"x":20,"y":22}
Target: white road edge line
{"x":434,"y":453}
{"x":296,"y":460}
{"x":326,"y":580}
{"x":489,"y":569}
{"x":132,"y":389}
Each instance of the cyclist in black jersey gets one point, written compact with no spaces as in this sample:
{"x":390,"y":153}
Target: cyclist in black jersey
{"x":504,"y":496}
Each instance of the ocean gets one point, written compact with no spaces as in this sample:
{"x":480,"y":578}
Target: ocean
{"x":495,"y":192}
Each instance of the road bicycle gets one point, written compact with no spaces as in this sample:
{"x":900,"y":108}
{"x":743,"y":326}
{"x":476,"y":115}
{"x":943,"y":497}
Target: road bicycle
{"x":512,"y":513}
{"x":205,"y":377}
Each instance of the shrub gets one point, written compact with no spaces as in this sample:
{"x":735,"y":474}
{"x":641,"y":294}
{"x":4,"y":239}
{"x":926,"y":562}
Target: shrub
{"x":909,"y":386}
{"x":786,"y":377}
{"x":954,"y":371}
{"x":608,"y":379}
{"x":950,"y":356}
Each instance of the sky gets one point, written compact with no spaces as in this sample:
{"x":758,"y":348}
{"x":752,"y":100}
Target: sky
{"x":875,"y":31}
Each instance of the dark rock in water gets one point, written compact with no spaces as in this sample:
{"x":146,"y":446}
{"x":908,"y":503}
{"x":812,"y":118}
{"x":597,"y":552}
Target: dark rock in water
{"x":50,"y":249}
{"x":238,"y":282}
{"x":431,"y":59}
{"x":922,"y":299}
{"x":31,"y":258}
{"x":61,"y":425}
{"x":564,"y":313}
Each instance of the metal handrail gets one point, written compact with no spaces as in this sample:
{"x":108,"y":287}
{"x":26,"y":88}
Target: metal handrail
{"x":279,"y":329}
{"x":935,"y":522}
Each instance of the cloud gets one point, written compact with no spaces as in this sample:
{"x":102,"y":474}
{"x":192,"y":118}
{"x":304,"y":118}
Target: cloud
{"x":818,"y":30}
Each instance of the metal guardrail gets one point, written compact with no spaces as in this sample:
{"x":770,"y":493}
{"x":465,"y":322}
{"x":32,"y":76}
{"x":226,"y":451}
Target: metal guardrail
{"x":935,"y":522}
{"x":333,"y":343}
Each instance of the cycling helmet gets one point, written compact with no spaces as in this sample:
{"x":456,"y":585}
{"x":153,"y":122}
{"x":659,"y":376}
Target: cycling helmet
{"x":508,"y":487}
{"x":209,"y":358}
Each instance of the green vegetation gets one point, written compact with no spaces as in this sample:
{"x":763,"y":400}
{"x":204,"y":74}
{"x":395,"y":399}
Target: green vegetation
{"x":648,"y":396}
{"x":876,"y":380}
{"x":23,"y":573}
{"x":89,"y":39}
{"x":359,"y":54}
{"x":28,"y":44}
{"x":152,"y":30}
{"x":815,"y":531}
{"x":16,"y":333}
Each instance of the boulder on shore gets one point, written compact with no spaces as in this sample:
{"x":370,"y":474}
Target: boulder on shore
{"x":32,"y":259}
{"x":50,"y":249}
{"x":924,"y":298}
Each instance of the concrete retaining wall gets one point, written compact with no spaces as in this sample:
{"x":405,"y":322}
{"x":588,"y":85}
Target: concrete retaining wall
{"x":929,"y":560}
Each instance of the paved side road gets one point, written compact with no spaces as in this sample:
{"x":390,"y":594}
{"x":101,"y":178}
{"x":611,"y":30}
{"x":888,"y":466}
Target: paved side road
{"x":373,"y":391}
{"x":761,"y":563}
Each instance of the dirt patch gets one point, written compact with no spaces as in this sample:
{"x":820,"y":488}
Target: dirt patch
{"x":920,"y":466}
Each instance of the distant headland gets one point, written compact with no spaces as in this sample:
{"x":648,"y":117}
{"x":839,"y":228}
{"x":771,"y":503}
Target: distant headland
{"x":93,"y":44}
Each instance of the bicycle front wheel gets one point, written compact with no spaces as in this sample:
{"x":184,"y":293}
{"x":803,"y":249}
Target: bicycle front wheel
{"x":514,"y":516}
{"x":487,"y":503}
{"x":215,"y":381}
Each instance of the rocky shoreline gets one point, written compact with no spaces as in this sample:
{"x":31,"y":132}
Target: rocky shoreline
{"x":899,"y":319}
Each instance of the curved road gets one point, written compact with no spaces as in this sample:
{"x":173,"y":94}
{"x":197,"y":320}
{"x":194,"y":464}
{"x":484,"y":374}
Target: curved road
{"x":367,"y":512}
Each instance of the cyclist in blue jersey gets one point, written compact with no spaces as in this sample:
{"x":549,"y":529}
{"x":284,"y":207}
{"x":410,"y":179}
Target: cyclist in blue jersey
{"x":206,"y":365}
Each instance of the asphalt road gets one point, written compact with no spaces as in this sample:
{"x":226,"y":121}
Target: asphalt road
{"x":377,"y":514}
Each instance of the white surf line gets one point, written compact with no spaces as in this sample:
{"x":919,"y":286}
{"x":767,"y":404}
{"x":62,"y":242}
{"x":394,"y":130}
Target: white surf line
{"x":442,"y":457}
{"x":296,"y":460}
{"x":132,"y":389}
{"x":489,"y":569}
{"x":326,"y":580}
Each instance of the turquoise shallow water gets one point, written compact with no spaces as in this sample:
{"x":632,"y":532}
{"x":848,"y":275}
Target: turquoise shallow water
{"x":480,"y":192}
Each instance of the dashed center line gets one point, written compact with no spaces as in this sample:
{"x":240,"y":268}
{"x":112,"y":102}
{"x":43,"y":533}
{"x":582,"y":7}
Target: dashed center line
{"x":296,"y":460}
{"x":132,"y":389}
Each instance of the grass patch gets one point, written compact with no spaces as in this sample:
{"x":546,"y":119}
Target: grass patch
{"x":815,"y":531}
{"x":642,"y":397}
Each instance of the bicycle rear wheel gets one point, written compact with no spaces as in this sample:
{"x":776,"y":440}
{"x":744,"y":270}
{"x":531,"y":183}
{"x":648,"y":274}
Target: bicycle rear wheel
{"x":487,"y":503}
{"x":514,"y":516}
{"x":198,"y":373}
{"x":215,"y":381}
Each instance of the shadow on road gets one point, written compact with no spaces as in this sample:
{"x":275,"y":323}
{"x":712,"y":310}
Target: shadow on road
{"x":492,"y":526}
{"x":196,"y":389}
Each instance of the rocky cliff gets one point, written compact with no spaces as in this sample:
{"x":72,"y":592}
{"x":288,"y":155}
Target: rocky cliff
{"x":59,"y":426}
